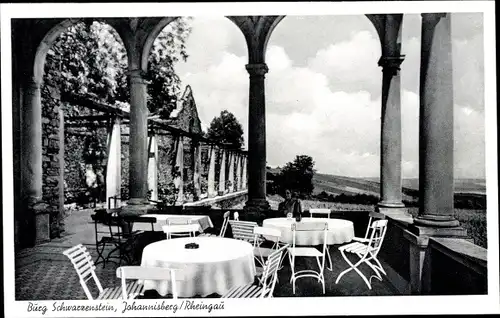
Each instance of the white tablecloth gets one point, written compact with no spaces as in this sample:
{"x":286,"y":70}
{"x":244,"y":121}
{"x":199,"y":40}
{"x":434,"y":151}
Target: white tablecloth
{"x":339,"y":231}
{"x":161,"y":219}
{"x":216,"y":266}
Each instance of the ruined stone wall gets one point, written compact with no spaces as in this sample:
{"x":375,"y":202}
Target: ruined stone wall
{"x":53,"y":159}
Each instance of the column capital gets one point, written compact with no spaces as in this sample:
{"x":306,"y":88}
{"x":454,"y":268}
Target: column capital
{"x":257,"y":69}
{"x":33,"y":83}
{"x":137,"y":76}
{"x":436,"y":16}
{"x":391,"y":64}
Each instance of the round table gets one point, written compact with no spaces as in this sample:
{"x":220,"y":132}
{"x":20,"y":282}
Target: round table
{"x":339,"y":231}
{"x":215,"y":267}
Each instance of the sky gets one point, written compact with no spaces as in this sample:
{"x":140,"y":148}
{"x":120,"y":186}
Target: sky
{"x":323,"y":89}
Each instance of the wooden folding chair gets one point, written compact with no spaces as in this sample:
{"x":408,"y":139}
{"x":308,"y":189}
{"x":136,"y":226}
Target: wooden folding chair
{"x":85,"y":268}
{"x":243,"y":230}
{"x":151,"y":273}
{"x":222,"y":232}
{"x":366,"y":252}
{"x":372,"y":217}
{"x":267,"y":282}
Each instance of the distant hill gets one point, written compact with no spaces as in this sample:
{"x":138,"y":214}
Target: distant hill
{"x":333,"y":184}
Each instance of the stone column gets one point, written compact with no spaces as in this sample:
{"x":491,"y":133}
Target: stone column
{"x":179,"y":164}
{"x":60,"y":158}
{"x":436,"y":214}
{"x":153,"y":166}
{"x":390,"y":140}
{"x":113,"y":168}
{"x":31,"y":143}
{"x":37,"y":217}
{"x":222,"y":172}
{"x":231,"y":172}
{"x":257,"y":139}
{"x":211,"y":191}
{"x":138,"y":153}
{"x":238,"y":172}
{"x":197,"y":171}
{"x":244,"y":184}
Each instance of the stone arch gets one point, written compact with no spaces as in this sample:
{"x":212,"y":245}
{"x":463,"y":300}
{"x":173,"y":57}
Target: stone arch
{"x":150,"y":39}
{"x":47,"y":41}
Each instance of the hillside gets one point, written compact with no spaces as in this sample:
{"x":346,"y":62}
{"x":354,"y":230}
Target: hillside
{"x":350,"y":185}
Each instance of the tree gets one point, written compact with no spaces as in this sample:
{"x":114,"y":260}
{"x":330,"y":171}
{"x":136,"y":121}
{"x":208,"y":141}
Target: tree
{"x":226,"y":129}
{"x":297,"y":176}
{"x":90,"y":59}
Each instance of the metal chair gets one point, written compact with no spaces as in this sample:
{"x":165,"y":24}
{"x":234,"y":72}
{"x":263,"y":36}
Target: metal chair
{"x":85,"y":268}
{"x":267,"y":283}
{"x":295,"y":251}
{"x":322,"y":212}
{"x":366,"y":252}
{"x":114,"y":236}
{"x":262,"y":234}
{"x":151,"y":273}
{"x":186,"y":229}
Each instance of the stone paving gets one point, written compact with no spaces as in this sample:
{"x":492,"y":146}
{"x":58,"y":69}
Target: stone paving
{"x":44,"y":273}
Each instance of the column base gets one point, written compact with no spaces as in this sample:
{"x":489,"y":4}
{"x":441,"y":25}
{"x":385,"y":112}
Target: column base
{"x":391,"y":204}
{"x":396,"y":213}
{"x":135,"y":209}
{"x":436,"y":221}
{"x":256,"y":209}
{"x":456,"y":231}
{"x":42,"y":222}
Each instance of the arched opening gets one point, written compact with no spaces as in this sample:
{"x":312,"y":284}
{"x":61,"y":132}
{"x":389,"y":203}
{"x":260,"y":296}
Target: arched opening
{"x":211,"y":79}
{"x":84,"y":67}
{"x":323,"y":100}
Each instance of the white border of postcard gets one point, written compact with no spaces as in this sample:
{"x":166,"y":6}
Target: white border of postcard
{"x":278,"y":306}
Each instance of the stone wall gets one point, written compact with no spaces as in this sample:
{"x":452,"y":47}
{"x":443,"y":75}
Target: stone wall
{"x":53,"y":159}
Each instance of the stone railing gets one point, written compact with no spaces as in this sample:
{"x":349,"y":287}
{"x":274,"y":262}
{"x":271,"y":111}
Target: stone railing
{"x":432,"y":265}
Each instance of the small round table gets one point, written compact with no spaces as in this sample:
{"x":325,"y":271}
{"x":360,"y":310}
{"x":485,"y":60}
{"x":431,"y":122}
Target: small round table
{"x":215,"y":267}
{"x":339,"y":231}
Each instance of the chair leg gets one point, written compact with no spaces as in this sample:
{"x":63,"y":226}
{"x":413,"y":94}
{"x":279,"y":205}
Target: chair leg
{"x":329,"y":259}
{"x":353,"y":267}
{"x":321,"y":277}
{"x":100,"y":254}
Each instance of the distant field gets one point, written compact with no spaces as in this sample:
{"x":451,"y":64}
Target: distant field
{"x":348,"y":185}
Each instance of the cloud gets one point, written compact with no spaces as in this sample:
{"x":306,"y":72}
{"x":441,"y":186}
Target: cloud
{"x":351,"y":65}
{"x":328,"y":105}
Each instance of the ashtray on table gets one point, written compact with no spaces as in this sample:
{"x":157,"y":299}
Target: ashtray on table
{"x":191,"y":246}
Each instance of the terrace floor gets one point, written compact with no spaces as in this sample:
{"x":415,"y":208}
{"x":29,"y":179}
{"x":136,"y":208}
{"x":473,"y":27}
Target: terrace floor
{"x":44,"y":273}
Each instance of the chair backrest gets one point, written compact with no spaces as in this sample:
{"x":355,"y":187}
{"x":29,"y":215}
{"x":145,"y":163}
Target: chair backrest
{"x":265,"y":233}
{"x":190,"y":229}
{"x":311,"y":226}
{"x":270,"y":273}
{"x":243,"y":230}
{"x":178,"y":221}
{"x":84,"y":266}
{"x":224,"y":224}
{"x":151,"y":273}
{"x":372,"y":216}
{"x":378,"y":230}
{"x":322,"y":212}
